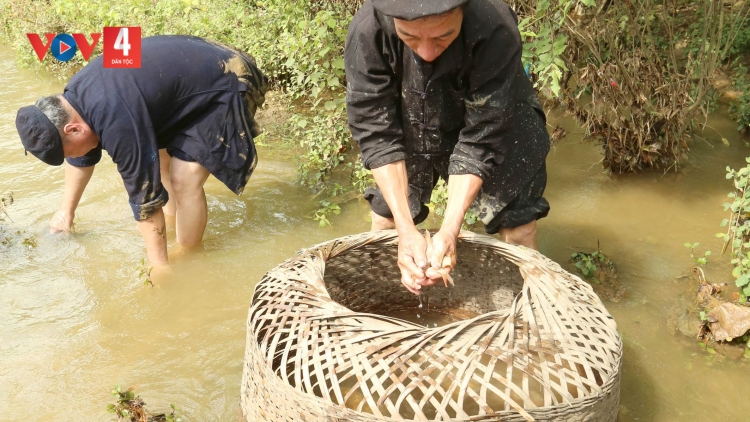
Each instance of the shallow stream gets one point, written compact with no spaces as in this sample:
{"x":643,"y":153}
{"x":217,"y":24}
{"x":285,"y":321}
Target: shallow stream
{"x":75,"y":319}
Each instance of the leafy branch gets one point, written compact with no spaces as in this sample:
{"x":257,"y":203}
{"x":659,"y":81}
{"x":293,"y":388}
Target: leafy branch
{"x":737,"y":237}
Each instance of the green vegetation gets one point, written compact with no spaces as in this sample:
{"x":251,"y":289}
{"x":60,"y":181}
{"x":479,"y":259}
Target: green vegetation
{"x":737,"y":236}
{"x":640,"y":75}
{"x":128,"y":406}
{"x":588,"y":263}
{"x":596,"y":267}
{"x":698,"y":259}
{"x":545,"y":40}
{"x":326,"y":210}
{"x":131,"y":408}
{"x":740,"y":109}
{"x":144,"y":273}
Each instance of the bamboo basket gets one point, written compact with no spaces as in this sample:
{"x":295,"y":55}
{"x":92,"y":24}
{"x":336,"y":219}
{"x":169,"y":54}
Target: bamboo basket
{"x":541,"y":346}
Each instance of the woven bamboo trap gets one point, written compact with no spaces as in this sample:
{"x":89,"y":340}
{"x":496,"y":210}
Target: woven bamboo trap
{"x":531,"y":341}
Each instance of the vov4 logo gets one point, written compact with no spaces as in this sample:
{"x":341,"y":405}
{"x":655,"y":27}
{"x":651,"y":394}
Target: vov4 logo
{"x":122,"y":46}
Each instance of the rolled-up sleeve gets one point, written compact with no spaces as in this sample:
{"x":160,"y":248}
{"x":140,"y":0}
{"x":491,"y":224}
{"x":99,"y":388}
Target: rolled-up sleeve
{"x":372,"y":94}
{"x":485,"y":140}
{"x":138,"y":165}
{"x":147,"y":209}
{"x":131,"y":143}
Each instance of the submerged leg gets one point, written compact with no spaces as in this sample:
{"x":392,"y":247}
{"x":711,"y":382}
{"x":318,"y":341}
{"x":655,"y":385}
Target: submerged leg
{"x":522,"y":235}
{"x":188,"y":179}
{"x":381,"y":223}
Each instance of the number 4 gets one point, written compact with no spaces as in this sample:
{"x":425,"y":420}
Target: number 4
{"x":121,"y":43}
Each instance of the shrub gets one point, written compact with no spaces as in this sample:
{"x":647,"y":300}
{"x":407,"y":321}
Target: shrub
{"x":737,"y":237}
{"x":740,"y":110}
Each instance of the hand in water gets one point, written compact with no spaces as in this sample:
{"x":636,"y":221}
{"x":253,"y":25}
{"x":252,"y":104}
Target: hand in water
{"x":61,"y":221}
{"x":441,"y":252}
{"x":412,"y":259}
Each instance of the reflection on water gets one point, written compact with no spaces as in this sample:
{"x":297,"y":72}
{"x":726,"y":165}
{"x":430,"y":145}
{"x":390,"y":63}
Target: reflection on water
{"x":75,"y":320}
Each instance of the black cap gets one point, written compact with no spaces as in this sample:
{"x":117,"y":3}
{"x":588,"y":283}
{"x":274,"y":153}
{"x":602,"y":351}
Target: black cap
{"x":414,"y":9}
{"x":39,"y":135}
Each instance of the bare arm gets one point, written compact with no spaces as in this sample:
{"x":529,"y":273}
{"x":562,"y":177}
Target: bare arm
{"x":154,"y":233}
{"x":394,"y":184}
{"x":76,"y":179}
{"x":462,"y":189}
{"x":412,"y":259}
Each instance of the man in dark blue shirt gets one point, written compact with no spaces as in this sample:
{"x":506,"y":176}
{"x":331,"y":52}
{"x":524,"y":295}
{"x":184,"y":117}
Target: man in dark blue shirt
{"x":187,"y":112}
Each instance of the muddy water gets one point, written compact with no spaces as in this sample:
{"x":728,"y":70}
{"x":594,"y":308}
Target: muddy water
{"x":75,"y":319}
{"x":642,"y":222}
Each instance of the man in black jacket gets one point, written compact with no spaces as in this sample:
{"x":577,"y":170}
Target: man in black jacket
{"x":437,"y":88}
{"x":186,"y":113}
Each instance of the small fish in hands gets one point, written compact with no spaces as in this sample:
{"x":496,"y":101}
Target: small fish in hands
{"x":449,"y":262}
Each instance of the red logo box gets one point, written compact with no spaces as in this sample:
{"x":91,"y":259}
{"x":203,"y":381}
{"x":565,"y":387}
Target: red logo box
{"x":122,"y":47}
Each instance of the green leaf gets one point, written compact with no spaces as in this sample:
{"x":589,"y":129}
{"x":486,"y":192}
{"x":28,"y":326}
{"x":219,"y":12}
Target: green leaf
{"x":338,"y":63}
{"x":555,"y":88}
{"x":589,"y":3}
{"x":559,"y":45}
{"x":523,"y":23}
